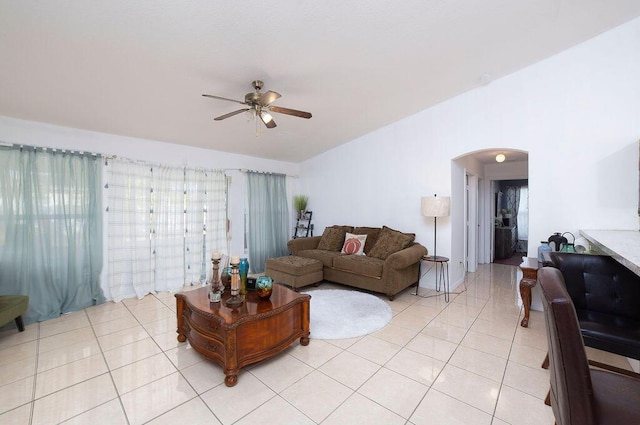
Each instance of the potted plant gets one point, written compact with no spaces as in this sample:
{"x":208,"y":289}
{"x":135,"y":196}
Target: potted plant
{"x":300,"y":204}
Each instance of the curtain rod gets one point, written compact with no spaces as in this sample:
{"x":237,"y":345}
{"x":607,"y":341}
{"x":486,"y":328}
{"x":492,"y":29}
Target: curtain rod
{"x":47,"y":148}
{"x":158,"y":164}
{"x":107,"y":157}
{"x":244,"y":170}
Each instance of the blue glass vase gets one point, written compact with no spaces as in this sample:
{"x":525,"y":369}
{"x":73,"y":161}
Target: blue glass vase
{"x":264,"y":287}
{"x":243,"y":269}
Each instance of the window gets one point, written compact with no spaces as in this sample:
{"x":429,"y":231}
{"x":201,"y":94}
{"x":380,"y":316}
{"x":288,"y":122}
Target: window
{"x":162,"y":222}
{"x":50,"y":229}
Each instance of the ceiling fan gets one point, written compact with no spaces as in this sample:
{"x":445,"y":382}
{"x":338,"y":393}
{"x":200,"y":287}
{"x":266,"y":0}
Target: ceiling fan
{"x":261,"y":104}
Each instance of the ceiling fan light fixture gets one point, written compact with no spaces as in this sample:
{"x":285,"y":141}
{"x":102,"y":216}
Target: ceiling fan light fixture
{"x":500,"y":157}
{"x":266,"y":117}
{"x":260,"y":105}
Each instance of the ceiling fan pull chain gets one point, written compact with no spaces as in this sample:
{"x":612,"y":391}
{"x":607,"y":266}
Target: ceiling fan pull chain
{"x":258,"y":128}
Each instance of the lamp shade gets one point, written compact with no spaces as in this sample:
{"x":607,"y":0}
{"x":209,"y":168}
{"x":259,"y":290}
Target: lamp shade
{"x":432,"y":206}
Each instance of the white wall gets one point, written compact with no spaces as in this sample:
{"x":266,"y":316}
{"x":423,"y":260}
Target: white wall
{"x":507,"y":170}
{"x":577,"y":114}
{"x":41,"y":134}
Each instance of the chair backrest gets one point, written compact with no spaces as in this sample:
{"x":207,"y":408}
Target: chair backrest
{"x":571,"y":388}
{"x":599,"y":283}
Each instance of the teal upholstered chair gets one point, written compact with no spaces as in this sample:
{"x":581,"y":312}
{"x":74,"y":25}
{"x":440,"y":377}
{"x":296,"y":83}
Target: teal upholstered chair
{"x":11,"y":308}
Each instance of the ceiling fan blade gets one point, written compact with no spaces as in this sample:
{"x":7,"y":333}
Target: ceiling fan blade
{"x":230,"y":114}
{"x":269,"y":122}
{"x":268,"y":98}
{"x":223,"y":98}
{"x":288,"y":111}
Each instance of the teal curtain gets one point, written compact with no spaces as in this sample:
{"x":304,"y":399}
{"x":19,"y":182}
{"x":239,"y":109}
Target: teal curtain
{"x":50,"y":229}
{"x":268,"y":218}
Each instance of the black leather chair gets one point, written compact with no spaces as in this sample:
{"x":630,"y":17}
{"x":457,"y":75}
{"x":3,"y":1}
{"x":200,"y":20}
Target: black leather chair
{"x":580,"y":395}
{"x":606,"y":296}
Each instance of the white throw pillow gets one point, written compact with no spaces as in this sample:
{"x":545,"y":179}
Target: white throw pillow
{"x":353,"y":244}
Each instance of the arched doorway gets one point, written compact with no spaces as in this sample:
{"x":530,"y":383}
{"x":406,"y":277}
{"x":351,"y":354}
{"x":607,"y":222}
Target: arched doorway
{"x":475,"y":178}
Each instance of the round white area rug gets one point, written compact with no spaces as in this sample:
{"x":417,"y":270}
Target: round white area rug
{"x":340,"y":314}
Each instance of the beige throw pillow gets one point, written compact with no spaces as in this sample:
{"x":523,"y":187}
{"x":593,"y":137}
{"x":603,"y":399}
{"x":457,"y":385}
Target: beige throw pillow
{"x":332,"y":239}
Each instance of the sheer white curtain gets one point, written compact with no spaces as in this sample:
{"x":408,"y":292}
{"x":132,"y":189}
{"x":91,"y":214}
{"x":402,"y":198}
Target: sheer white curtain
{"x":523,"y":219}
{"x":195,"y":210}
{"x":206,"y":217}
{"x":168,"y":227}
{"x":216,"y":216}
{"x":164,"y":223}
{"x":130,"y":270}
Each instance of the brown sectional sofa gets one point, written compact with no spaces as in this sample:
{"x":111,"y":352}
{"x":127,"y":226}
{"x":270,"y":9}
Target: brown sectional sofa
{"x":391,"y":262}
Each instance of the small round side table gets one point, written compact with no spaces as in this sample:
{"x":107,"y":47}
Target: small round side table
{"x":442,"y":275}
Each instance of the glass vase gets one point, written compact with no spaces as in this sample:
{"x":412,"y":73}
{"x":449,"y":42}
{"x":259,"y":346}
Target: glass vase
{"x":243,"y":268}
{"x":225,"y":277}
{"x":544,"y":247}
{"x":264,"y":287}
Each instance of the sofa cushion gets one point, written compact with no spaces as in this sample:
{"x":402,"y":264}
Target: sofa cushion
{"x":326,"y":257}
{"x":345,"y":228}
{"x":293,"y":264}
{"x":390,"y":241}
{"x":359,"y":264}
{"x":332,"y":239}
{"x":353,"y":244}
{"x":372,"y":236}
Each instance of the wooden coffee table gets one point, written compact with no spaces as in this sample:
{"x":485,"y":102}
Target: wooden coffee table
{"x":236,"y":337}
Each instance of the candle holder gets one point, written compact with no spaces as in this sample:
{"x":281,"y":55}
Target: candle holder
{"x":215,"y":294}
{"x":235,"y":299}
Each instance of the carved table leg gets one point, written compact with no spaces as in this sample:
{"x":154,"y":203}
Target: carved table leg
{"x":179,"y":314}
{"x":306,"y":319}
{"x":529,"y":279}
{"x":231,"y":380}
{"x":525,"y":293}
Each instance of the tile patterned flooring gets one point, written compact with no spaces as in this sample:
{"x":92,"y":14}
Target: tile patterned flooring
{"x":467,"y":362}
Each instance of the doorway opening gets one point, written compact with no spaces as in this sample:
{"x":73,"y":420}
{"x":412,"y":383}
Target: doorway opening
{"x":511,"y":229}
{"x":495,"y":197}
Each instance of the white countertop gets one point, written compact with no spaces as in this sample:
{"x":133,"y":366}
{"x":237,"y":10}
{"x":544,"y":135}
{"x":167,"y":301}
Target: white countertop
{"x":623,"y":245}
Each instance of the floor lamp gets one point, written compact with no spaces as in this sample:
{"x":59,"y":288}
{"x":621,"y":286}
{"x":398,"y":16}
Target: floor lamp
{"x":435,"y":207}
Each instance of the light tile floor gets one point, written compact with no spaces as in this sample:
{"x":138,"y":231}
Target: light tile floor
{"x":466,"y":362}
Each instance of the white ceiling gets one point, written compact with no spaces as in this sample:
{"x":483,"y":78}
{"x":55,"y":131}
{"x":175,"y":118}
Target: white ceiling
{"x":138,"y":68}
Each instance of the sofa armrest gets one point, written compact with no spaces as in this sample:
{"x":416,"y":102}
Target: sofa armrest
{"x":299,"y":244}
{"x":405,"y":257}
